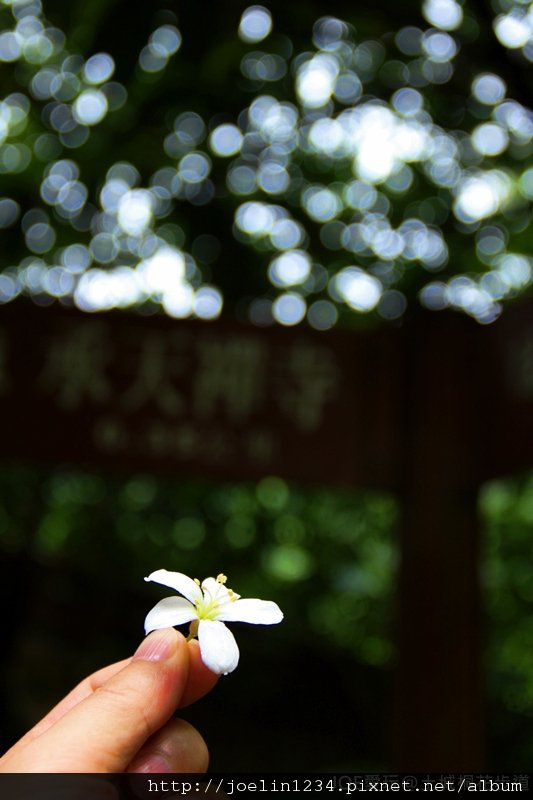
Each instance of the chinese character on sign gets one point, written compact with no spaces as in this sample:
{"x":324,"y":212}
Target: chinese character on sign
{"x":109,"y":434}
{"x":230,"y":374}
{"x":75,"y":366}
{"x":161,"y":363}
{"x":307,"y":380}
{"x":260,"y":446}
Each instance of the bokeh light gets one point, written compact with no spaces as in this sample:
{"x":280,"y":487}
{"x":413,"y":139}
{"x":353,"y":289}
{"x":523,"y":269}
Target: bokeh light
{"x":255,"y":24}
{"x":337,"y":152}
{"x":289,"y":308}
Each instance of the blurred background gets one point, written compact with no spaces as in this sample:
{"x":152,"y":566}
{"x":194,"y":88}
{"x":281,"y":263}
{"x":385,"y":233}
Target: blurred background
{"x":311,"y":167}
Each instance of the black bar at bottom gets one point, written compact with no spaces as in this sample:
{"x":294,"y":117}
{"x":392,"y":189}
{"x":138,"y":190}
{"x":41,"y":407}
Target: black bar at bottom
{"x":159,"y":786}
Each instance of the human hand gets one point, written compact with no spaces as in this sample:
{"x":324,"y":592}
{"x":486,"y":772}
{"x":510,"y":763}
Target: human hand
{"x":119,"y":718}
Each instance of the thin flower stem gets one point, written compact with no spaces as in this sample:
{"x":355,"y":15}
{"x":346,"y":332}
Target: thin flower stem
{"x":193,"y":629}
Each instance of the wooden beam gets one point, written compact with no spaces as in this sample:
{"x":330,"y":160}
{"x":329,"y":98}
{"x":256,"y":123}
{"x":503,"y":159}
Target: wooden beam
{"x":438,"y":713}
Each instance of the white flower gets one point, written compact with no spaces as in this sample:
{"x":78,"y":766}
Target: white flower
{"x":207,"y":606}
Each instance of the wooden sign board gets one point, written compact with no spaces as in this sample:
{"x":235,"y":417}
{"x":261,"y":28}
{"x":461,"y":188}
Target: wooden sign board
{"x":228,"y":400}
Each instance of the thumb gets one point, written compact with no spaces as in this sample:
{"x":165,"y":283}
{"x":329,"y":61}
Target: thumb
{"x":105,"y":731}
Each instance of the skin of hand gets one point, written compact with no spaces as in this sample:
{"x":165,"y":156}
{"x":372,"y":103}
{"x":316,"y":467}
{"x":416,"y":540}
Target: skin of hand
{"x":119,"y":718}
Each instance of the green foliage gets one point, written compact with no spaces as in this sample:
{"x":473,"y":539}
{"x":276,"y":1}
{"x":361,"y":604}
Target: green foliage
{"x":507,"y":509}
{"x":329,"y":558}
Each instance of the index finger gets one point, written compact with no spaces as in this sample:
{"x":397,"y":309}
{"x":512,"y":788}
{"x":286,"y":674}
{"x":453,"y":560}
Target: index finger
{"x":200,"y":681}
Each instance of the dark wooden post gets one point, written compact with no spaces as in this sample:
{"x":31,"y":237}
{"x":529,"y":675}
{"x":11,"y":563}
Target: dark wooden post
{"x":438,"y":725}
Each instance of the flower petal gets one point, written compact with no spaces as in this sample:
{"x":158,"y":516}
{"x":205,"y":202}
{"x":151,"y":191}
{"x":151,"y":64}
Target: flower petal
{"x":169,"y":612}
{"x":215,"y":590}
{"x":179,"y":582}
{"x":218,"y":647}
{"x":258,"y":612}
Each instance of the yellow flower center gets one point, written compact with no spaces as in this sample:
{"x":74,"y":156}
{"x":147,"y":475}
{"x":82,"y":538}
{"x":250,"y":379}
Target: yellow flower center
{"x":208,"y":606}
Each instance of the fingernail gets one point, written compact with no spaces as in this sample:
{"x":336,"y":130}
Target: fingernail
{"x":158,"y":646}
{"x":150,"y":764}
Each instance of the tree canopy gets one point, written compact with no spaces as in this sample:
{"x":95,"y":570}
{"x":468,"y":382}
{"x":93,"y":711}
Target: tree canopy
{"x":287,"y":162}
